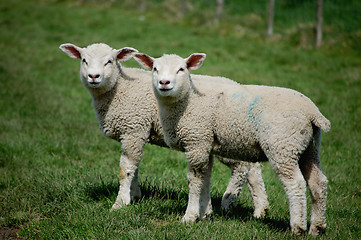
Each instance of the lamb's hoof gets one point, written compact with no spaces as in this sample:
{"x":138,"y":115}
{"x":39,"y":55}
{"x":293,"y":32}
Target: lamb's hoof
{"x":116,"y":206}
{"x":297,"y":230}
{"x":227,"y":210}
{"x":208,"y":215}
{"x":189,"y":218}
{"x":260,"y":212}
{"x":228,"y":201}
{"x":316,"y":230}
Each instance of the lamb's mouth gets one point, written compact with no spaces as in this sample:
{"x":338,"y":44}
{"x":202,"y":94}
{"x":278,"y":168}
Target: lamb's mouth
{"x":165,"y":89}
{"x":93,"y":83}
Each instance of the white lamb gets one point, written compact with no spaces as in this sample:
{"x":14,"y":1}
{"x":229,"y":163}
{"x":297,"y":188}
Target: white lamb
{"x":252,"y":123}
{"x":127,"y":112}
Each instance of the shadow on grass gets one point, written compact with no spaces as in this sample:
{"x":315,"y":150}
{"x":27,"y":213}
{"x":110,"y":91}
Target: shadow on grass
{"x":102,"y":190}
{"x":276,"y":224}
{"x":244,"y":213}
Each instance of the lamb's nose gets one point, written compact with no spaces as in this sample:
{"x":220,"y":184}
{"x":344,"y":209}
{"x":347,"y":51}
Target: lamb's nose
{"x":164,"y":82}
{"x":94,"y":76}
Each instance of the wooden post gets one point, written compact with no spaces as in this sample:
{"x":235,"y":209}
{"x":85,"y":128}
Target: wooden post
{"x":219,"y":10}
{"x":143,"y":6}
{"x":184,"y":7}
{"x":270,"y":16}
{"x":319,"y":23}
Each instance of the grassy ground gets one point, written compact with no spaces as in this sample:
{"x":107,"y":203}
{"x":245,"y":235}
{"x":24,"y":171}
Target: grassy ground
{"x":58,"y":174}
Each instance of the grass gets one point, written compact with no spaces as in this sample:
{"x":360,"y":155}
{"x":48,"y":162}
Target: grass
{"x":58,"y":174}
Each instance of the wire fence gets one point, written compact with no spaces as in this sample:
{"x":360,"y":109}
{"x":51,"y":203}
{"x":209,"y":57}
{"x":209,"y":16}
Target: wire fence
{"x":341,"y":19}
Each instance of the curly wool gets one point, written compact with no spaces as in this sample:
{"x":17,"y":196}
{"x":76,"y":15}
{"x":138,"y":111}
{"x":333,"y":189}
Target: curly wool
{"x":127,"y":112}
{"x":248,"y":122}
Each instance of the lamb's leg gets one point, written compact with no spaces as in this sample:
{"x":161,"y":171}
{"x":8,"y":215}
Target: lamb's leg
{"x":258,"y":191}
{"x":199,"y":181}
{"x":129,"y":189}
{"x":317,"y":183}
{"x":242,"y":171}
{"x":234,"y":188}
{"x":292,"y":179}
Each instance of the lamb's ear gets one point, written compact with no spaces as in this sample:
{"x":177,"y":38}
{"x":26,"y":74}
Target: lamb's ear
{"x":125,"y":54}
{"x":195,"y":60}
{"x":144,"y":60}
{"x":71,"y":50}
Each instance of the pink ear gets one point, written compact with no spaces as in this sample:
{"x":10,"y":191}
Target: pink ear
{"x":195,"y":60}
{"x":144,"y":60}
{"x":72,"y":50}
{"x":125,"y":53}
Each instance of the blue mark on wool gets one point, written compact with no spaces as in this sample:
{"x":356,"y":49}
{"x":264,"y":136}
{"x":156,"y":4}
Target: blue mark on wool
{"x":254,"y":114}
{"x":253,"y":104}
{"x":237,"y":95}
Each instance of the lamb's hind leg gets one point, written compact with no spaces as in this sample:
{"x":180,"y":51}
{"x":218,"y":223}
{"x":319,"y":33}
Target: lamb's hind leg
{"x":129,"y":189}
{"x":239,"y":172}
{"x":258,"y":191}
{"x":317,"y":183}
{"x":290,"y":175}
{"x":250,"y":172}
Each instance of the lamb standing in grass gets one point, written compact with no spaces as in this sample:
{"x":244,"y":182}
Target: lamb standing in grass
{"x":253,"y":123}
{"x":127,"y":112}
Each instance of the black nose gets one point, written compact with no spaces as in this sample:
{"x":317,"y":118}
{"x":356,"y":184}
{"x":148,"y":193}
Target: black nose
{"x":164,"y":82}
{"x":94,"y":76}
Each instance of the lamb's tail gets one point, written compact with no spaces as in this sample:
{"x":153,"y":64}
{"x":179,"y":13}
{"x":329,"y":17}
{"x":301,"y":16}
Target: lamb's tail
{"x":321,"y":121}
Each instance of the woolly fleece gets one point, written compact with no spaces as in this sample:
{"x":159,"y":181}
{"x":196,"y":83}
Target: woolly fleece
{"x":248,"y":122}
{"x":127,"y":112}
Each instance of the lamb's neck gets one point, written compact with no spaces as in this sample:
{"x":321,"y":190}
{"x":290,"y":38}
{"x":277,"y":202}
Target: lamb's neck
{"x":103,"y":105}
{"x":172,"y":109}
{"x":171,"y":101}
{"x":99,"y":94}
{"x":102,"y":100}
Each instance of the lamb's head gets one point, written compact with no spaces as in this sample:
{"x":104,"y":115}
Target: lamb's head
{"x":171,"y":77}
{"x":99,"y":63}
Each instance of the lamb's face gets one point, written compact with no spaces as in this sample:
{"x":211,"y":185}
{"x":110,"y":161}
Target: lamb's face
{"x":98,"y":64}
{"x":170,"y":76}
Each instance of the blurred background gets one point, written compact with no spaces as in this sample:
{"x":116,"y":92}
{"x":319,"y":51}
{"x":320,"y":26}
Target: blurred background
{"x":295,"y":21}
{"x":59,"y":174}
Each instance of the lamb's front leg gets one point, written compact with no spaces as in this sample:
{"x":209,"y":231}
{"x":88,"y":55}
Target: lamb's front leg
{"x":199,"y":182}
{"x":129,"y":189}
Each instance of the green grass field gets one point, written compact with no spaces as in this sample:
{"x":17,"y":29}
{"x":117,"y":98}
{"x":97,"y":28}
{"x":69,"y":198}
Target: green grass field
{"x":58,"y":174}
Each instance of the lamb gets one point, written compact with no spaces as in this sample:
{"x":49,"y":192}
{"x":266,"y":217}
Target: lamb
{"x":248,"y":122}
{"x":127,"y":112}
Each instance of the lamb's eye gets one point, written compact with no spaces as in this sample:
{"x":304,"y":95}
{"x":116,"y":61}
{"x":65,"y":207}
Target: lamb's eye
{"x":109,"y":62}
{"x":155,"y":69}
{"x":84,"y":61}
{"x":180,"y":70}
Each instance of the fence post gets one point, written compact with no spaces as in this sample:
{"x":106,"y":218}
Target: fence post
{"x":270,"y":16}
{"x":319,"y":23}
{"x":219,"y":10}
{"x":184,"y":7}
{"x":143,"y":6}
